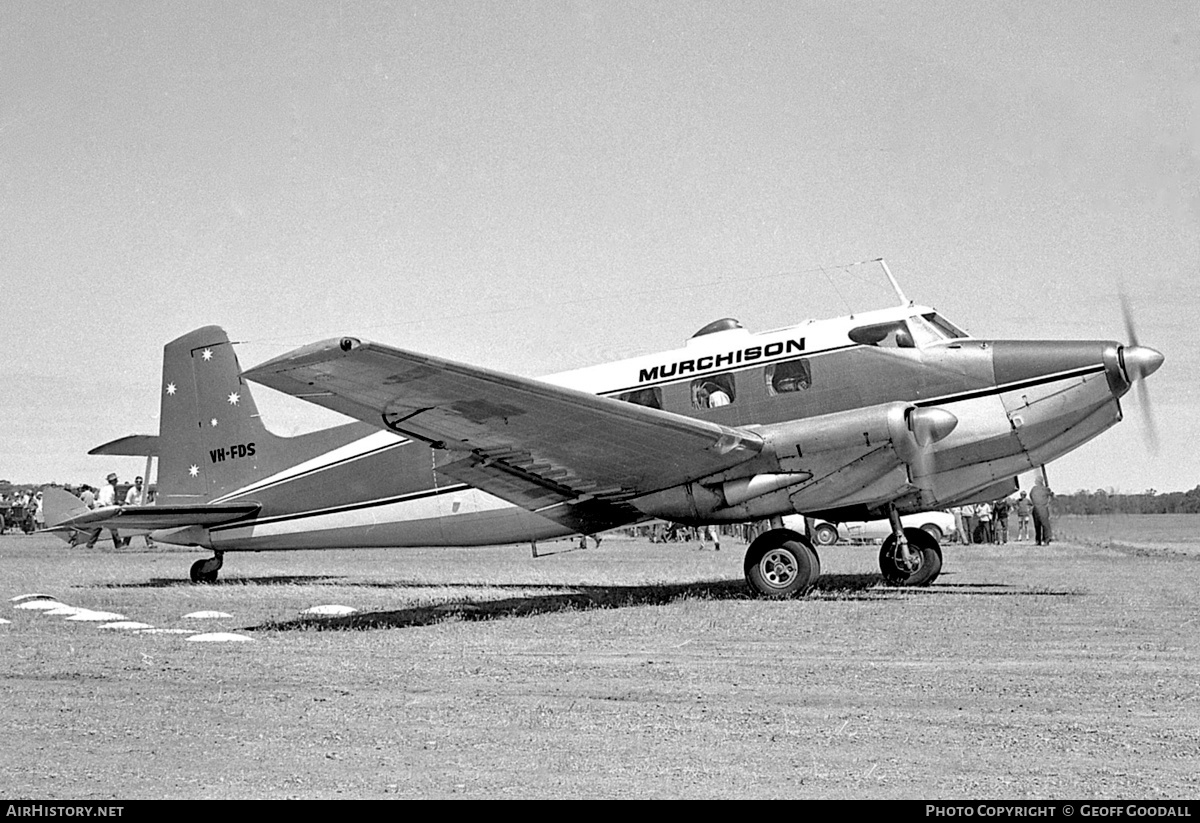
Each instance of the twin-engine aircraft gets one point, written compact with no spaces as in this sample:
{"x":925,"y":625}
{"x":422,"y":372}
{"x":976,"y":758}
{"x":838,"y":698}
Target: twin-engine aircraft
{"x":853,"y":418}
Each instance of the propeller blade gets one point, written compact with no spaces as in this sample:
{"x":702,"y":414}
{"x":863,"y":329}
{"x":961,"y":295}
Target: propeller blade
{"x":1149,"y":428}
{"x":1140,"y":362}
{"x":1127,"y":313}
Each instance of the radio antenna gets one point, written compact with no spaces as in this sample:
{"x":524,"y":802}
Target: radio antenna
{"x":904,"y":301}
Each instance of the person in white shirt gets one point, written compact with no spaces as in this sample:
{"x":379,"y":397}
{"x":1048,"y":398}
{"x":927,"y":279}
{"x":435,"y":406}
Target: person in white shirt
{"x":136,"y":496}
{"x":107,"y":499}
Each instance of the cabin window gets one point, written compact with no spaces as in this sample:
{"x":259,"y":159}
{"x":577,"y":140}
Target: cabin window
{"x":789,"y":376}
{"x":712,"y":391}
{"x":651,"y":398}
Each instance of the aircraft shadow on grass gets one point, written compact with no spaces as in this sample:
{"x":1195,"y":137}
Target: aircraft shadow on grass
{"x":234,"y":582}
{"x":861,"y":587}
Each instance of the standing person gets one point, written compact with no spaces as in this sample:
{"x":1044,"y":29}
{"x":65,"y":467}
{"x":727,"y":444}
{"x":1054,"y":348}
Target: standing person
{"x":1040,"y":496}
{"x":1000,"y":513}
{"x":136,"y":496}
{"x":960,"y":527}
{"x":87,"y":496}
{"x":985,"y":523}
{"x":972,"y":514}
{"x":1024,"y":510}
{"x":710,"y":533}
{"x":39,"y":516}
{"x":107,"y":499}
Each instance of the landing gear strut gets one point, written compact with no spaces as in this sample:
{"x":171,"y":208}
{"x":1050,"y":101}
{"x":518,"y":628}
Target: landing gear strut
{"x":781,"y":563}
{"x":909,"y":557}
{"x":205,"y":571}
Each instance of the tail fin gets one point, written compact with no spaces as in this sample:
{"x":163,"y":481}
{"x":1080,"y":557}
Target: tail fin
{"x":211,"y":439}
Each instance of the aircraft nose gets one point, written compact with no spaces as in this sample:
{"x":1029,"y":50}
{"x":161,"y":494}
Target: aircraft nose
{"x":1140,"y":361}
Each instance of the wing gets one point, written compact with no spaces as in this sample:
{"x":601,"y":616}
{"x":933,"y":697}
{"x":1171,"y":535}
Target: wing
{"x":66,"y":512}
{"x":568,"y":455}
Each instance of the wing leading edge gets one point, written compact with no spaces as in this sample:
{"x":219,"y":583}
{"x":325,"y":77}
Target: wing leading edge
{"x":573,"y":457}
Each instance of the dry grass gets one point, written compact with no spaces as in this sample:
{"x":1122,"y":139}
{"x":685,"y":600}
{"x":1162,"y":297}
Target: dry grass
{"x":632,"y":670}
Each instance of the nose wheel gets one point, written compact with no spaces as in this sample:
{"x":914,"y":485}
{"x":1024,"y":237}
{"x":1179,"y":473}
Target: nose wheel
{"x":205,"y":571}
{"x":917,"y":564}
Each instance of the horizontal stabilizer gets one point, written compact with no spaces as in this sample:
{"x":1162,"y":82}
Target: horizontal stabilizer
{"x":133,"y":445}
{"x":64,"y":511}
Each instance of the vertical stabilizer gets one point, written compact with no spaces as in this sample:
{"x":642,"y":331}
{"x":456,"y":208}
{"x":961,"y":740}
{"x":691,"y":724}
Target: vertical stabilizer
{"x":210,"y":434}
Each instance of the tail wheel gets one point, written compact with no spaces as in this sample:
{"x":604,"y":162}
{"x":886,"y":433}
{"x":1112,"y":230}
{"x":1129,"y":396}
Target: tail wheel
{"x":205,"y":571}
{"x":825,"y":535}
{"x":780,"y":563}
{"x":920,"y":568}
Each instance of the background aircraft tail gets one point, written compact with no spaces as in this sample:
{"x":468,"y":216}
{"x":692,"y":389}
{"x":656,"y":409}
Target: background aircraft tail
{"x":59,"y":506}
{"x":212,"y":442}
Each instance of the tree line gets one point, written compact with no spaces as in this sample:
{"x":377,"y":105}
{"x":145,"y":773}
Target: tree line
{"x":1147,"y":502}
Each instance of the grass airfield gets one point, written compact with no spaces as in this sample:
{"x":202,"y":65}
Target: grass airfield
{"x":628,"y":670}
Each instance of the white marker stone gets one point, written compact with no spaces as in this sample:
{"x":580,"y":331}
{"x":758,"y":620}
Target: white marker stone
{"x":4,"y":622}
{"x":63,"y":611}
{"x":164,"y":631}
{"x":209,"y":615}
{"x":21,"y":597}
{"x":89,"y":616}
{"x":127,"y":625}
{"x":219,"y":637}
{"x":40,"y":605}
{"x":330,"y":610}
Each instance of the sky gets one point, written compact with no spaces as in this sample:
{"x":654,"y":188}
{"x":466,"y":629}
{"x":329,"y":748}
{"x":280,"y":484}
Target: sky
{"x":541,"y":186}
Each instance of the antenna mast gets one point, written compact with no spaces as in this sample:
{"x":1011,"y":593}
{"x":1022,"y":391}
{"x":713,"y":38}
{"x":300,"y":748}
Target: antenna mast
{"x":904,"y":301}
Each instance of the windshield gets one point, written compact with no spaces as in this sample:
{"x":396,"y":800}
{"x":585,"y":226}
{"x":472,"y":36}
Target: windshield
{"x":930,"y":328}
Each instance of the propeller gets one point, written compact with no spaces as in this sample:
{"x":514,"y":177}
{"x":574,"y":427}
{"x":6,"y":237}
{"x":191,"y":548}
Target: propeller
{"x":1139,"y":363}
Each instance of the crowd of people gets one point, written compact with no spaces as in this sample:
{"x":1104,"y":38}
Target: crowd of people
{"x":989,"y":522}
{"x":107,"y":496}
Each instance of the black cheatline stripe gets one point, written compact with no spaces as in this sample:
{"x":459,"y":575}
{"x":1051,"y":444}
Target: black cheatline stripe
{"x":1017,"y":386}
{"x":255,"y":489}
{"x":758,"y":364}
{"x":283,"y":518}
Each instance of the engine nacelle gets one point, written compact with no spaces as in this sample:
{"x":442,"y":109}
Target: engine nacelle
{"x":846,"y":456}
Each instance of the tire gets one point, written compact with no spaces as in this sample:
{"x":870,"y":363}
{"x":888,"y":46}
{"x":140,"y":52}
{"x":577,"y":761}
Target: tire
{"x":927,"y":561}
{"x":203,"y":571}
{"x":780,"y":564}
{"x":825,"y":535}
{"x":934,"y":531}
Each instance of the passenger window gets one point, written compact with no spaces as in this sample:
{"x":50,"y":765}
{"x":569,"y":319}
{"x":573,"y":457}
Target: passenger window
{"x":793,"y":375}
{"x":651,"y":398}
{"x":712,"y":391}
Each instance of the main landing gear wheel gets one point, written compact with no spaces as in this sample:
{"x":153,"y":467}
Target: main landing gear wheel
{"x":205,"y":571}
{"x":920,"y":568}
{"x":781,"y":563}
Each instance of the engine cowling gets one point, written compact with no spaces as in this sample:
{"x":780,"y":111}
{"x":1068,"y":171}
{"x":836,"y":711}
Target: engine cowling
{"x":844,"y":458}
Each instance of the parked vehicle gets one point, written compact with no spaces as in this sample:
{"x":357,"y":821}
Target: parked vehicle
{"x":939,"y":525}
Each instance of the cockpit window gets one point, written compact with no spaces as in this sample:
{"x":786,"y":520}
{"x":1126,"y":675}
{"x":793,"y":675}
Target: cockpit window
{"x":893,"y":335}
{"x":916,"y":331}
{"x":948,"y":329}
